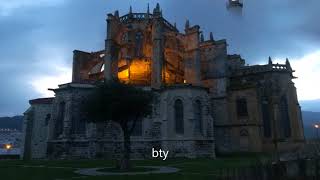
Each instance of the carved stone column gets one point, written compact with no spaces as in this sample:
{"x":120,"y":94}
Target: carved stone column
{"x":108,"y":60}
{"x":110,"y":48}
{"x":157,"y":56}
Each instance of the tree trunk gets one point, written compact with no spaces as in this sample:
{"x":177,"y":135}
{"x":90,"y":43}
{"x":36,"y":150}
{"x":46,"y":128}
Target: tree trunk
{"x":125,"y":162}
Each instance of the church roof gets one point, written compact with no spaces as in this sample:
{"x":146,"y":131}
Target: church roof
{"x":41,"y":101}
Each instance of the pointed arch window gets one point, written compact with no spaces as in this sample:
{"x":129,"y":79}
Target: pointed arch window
{"x":138,"y":44}
{"x":78,"y":125}
{"x":242,"y":110}
{"x":178,"y":116}
{"x":198,"y":116}
{"x":285,"y":119}
{"x":48,"y":117}
{"x":60,"y":119}
{"x":266,"y":118}
{"x":244,"y":133}
{"x":124,"y":37}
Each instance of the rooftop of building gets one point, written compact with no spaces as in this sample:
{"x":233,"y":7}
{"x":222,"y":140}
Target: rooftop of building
{"x":270,"y":67}
{"x":131,"y":16}
{"x":41,"y":101}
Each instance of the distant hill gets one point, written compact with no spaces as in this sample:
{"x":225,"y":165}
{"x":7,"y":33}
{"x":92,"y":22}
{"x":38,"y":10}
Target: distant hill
{"x":309,"y":120}
{"x":311,"y":116}
{"x":14,"y":122}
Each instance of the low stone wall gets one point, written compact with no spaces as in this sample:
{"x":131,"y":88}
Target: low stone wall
{"x":139,"y":149}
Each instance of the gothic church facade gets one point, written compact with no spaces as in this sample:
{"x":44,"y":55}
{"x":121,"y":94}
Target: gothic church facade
{"x":208,"y":101}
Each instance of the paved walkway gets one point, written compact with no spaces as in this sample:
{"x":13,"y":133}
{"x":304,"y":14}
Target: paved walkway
{"x":96,"y":172}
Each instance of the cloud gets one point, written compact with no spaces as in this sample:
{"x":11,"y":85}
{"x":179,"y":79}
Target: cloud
{"x":56,"y":69}
{"x":308,"y":73}
{"x":38,"y":37}
{"x":42,"y":83}
{"x":266,"y":28}
{"x":307,"y":69}
{"x":7,"y":7}
{"x":273,"y":28}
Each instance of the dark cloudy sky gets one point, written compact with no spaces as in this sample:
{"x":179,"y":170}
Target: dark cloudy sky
{"x":37,"y":38}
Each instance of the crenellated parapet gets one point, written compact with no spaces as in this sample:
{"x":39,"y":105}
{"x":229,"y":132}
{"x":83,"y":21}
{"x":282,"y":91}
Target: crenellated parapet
{"x":138,"y":17}
{"x":135,"y":16}
{"x":270,"y":67}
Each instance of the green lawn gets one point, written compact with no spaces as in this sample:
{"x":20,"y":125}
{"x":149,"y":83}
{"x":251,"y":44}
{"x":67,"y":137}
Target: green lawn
{"x":190,"y":169}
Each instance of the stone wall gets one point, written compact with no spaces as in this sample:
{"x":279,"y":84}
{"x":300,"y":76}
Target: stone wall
{"x":239,"y":133}
{"x":35,"y":129}
{"x":158,"y":130}
{"x":264,"y":93}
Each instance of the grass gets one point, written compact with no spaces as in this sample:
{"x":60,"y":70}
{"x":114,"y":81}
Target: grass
{"x":190,"y":169}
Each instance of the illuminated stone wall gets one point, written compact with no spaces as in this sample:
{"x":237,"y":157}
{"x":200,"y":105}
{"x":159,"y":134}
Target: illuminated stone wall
{"x":136,"y":71}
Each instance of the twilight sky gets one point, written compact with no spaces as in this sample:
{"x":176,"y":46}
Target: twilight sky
{"x":37,"y":38}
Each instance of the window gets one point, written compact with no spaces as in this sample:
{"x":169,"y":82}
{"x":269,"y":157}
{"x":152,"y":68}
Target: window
{"x":244,"y":140}
{"x":78,"y":121}
{"x":266,"y":118}
{"x":138,"y":44}
{"x":198,"y":116}
{"x":285,"y":120}
{"x":60,"y":119}
{"x":102,"y":68}
{"x":78,"y":125}
{"x":244,"y":133}
{"x":124,"y":37}
{"x":178,"y":116}
{"x":242,"y":110}
{"x":48,"y":116}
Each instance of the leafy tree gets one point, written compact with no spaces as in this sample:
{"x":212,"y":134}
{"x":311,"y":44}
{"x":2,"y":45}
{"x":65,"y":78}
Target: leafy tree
{"x":121,"y":103}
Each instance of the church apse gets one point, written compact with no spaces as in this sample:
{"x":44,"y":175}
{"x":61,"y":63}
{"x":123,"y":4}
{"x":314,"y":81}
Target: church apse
{"x":141,"y":48}
{"x":134,"y":63}
{"x":206,"y":99}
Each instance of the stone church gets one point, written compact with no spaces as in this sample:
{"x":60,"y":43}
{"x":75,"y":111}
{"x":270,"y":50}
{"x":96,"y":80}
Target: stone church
{"x":207,"y":100}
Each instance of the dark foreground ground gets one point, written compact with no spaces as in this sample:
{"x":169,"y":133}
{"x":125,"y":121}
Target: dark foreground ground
{"x":190,"y":169}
